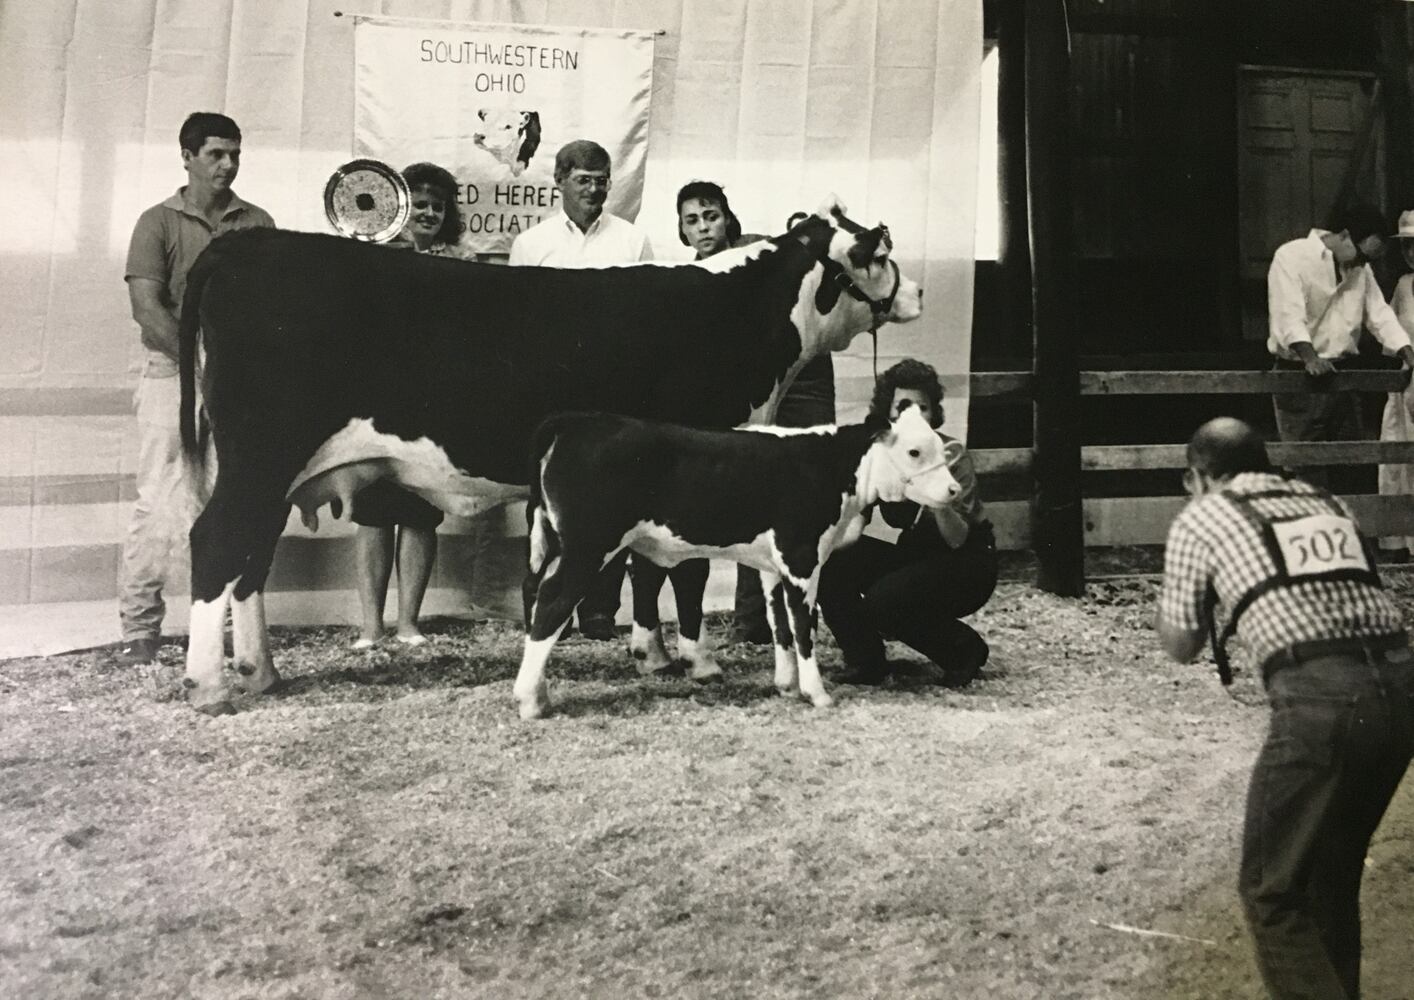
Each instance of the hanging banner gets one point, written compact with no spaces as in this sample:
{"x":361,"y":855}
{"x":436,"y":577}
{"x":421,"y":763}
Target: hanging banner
{"x":493,"y":103}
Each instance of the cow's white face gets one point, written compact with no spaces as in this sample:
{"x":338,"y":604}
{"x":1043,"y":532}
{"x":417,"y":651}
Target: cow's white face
{"x":501,"y":129}
{"x":915,"y":464}
{"x":864,"y":254}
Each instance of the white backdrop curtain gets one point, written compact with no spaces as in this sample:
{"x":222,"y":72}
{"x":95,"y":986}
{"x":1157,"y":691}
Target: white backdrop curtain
{"x":781,"y":101}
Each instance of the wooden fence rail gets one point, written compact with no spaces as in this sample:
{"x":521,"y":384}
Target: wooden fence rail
{"x":1113,"y":521}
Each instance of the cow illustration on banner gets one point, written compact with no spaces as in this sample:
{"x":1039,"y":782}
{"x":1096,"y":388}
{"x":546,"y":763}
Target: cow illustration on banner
{"x":493,"y":102}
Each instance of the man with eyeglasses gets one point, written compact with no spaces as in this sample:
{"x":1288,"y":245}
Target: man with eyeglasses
{"x":1320,"y":293}
{"x":1283,"y":565}
{"x":582,"y":234}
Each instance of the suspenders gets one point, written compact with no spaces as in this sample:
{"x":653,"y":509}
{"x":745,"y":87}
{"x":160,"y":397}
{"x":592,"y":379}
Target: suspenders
{"x":1305,"y":548}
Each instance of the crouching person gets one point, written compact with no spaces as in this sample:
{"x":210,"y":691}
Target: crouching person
{"x":1282,"y":565}
{"x":916,"y":570}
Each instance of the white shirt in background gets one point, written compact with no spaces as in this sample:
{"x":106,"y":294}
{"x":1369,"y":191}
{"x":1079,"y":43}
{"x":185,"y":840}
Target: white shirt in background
{"x":558,"y":242}
{"x":1305,"y":303}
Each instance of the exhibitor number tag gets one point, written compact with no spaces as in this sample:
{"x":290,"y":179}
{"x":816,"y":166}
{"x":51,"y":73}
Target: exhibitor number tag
{"x":1319,"y":544}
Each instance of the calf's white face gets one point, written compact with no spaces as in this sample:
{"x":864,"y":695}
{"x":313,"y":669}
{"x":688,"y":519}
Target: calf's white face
{"x":914,"y":463}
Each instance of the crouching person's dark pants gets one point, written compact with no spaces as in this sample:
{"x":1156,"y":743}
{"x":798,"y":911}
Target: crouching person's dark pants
{"x":873,"y":589}
{"x":1341,"y":737}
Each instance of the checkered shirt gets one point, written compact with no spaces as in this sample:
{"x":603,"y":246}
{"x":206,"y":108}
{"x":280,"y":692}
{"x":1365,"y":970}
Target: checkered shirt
{"x":1212,"y":542}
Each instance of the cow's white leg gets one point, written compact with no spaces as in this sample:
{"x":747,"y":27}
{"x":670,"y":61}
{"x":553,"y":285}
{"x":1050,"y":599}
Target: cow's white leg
{"x":530,"y":689}
{"x":778,"y":619}
{"x":206,"y":656}
{"x":702,"y":665}
{"x":250,"y":639}
{"x":646,"y":645}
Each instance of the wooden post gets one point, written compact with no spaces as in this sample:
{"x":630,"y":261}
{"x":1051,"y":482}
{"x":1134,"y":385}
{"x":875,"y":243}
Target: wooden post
{"x":1393,"y":22}
{"x":1057,"y":525}
{"x":1014,"y":256}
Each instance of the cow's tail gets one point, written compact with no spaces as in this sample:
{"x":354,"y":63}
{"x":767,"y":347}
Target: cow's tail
{"x":544,"y":540}
{"x":188,"y":331}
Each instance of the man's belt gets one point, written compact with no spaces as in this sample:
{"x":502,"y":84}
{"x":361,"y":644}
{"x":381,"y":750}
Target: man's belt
{"x":1367,"y":649}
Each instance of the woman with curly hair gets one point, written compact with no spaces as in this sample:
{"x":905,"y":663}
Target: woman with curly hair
{"x":915,"y":571}
{"x":397,"y":527}
{"x":435,"y":225}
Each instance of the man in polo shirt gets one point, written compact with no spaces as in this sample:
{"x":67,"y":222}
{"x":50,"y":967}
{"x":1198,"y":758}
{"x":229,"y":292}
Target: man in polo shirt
{"x":1282,"y":565}
{"x":582,"y":234}
{"x":1320,"y":293}
{"x":166,"y":241}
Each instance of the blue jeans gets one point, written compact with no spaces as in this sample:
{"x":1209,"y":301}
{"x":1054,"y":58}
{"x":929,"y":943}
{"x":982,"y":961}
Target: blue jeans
{"x":1340,"y":739}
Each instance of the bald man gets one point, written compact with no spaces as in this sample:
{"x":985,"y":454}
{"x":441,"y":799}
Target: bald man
{"x":1282,"y":564}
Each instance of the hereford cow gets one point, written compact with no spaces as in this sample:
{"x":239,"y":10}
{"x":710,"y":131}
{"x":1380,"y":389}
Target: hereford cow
{"x":774,"y":499}
{"x":331,"y":363}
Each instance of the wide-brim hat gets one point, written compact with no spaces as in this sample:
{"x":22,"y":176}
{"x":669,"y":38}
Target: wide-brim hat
{"x":1406,"y":225}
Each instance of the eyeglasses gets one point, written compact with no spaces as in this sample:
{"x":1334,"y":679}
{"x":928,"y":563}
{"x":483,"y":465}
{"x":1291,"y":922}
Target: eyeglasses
{"x":587,"y":181}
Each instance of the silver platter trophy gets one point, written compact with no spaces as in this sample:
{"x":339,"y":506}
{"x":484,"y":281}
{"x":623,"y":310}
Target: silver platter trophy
{"x":367,"y":200}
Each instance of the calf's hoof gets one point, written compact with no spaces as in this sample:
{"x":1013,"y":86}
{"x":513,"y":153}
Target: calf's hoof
{"x":255,"y":680}
{"x":705,"y":671}
{"x":650,"y":653}
{"x":533,"y":704}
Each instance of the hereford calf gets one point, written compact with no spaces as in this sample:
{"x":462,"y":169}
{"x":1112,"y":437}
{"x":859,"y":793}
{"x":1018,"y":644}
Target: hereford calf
{"x":777,"y":500}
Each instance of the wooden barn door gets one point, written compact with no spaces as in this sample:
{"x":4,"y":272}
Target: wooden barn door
{"x":1304,"y":139}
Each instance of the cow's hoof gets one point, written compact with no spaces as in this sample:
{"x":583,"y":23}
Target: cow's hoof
{"x":708,"y":676}
{"x":704,"y":670}
{"x":208,"y":701}
{"x":257,"y":681}
{"x":786,"y":690}
{"x":821,"y":700}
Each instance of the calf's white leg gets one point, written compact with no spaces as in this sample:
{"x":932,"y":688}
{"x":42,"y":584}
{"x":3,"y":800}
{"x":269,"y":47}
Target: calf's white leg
{"x":779,"y":620}
{"x":799,"y":605}
{"x":530,"y":689}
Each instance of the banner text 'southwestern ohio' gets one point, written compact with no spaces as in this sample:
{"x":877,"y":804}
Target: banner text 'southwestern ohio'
{"x":510,"y":56}
{"x":483,"y":54}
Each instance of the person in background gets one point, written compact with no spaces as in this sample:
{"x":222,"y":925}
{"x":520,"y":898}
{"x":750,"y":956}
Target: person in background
{"x":165,"y":243}
{"x":583,"y":234}
{"x":395,"y":526}
{"x":1397,"y":423}
{"x":1281,"y":564}
{"x":915,"y":571}
{"x":707,"y":223}
{"x":1320,"y":293}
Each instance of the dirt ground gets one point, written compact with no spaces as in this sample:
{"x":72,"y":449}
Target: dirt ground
{"x":386,"y":827}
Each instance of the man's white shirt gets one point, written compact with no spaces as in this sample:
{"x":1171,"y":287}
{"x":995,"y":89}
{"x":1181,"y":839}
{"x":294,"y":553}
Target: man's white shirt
{"x":558,"y":242}
{"x":1305,"y":303}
